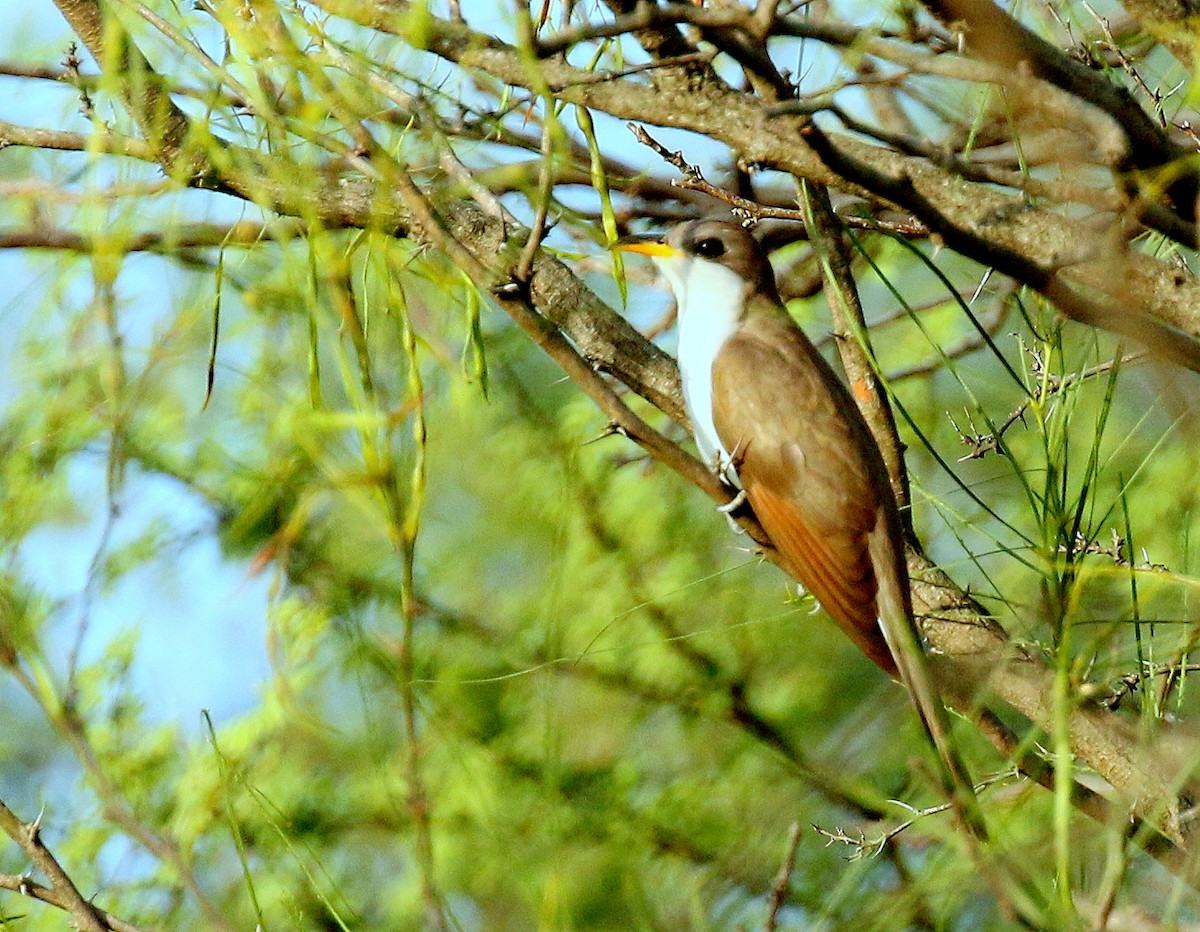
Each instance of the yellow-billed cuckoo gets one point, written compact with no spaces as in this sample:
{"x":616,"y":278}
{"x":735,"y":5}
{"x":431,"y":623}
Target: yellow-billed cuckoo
{"x":771,"y":416}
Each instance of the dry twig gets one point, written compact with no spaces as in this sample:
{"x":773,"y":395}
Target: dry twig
{"x":61,"y":891}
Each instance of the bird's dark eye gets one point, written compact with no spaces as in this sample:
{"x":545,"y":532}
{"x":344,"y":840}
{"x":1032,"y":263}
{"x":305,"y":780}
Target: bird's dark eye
{"x":710,"y":248}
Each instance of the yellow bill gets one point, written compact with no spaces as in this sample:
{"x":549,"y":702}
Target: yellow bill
{"x":646,"y":245}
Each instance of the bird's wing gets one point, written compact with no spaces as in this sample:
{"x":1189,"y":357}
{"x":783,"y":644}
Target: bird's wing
{"x":802,"y":458}
{"x":818,"y":485}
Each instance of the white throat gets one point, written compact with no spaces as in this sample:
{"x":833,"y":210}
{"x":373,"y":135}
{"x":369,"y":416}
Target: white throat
{"x":710,"y":298}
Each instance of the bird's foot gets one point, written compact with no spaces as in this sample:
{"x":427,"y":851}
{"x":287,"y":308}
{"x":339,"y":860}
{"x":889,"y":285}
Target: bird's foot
{"x":732,"y":462}
{"x":725,"y":465}
{"x":733,"y":504}
{"x":730,"y":507}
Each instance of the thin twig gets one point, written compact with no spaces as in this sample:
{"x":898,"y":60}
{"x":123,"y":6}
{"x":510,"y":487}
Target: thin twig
{"x":780,"y":886}
{"x":84,"y":915}
{"x":694,"y":180}
{"x":981,"y":444}
{"x":13,"y":135}
{"x":70,"y":75}
{"x":186,"y":236}
{"x":545,"y":192}
{"x":870,"y":847}
{"x":667,"y":61}
{"x":991,"y":323}
{"x":1131,"y":682}
{"x":748,"y":210}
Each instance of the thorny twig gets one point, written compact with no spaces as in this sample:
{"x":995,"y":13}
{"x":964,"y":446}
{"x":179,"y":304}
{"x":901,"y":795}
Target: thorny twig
{"x":871,"y":847}
{"x":864,"y":847}
{"x":22,"y":884}
{"x":1113,"y":47}
{"x":751,"y":212}
{"x":982,"y":444}
{"x":1130,"y":682}
{"x":62,"y":891}
{"x":1114,"y":551}
{"x":71,"y":64}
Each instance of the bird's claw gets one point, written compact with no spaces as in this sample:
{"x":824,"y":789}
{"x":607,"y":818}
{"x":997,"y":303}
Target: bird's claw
{"x":733,"y":504}
{"x":730,"y":507}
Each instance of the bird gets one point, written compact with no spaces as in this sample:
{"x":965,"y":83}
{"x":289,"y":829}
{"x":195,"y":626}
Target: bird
{"x":773,"y":419}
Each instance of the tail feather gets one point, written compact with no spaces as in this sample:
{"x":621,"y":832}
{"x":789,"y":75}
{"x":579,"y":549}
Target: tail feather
{"x":895,"y":621}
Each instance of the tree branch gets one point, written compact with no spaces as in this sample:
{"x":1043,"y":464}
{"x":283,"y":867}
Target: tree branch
{"x":186,"y":236}
{"x":994,"y":36}
{"x":13,"y":135}
{"x":166,"y":128}
{"x":853,"y":341}
{"x":26,"y":887}
{"x":1083,"y":260}
{"x":62,"y":891}
{"x":1104,"y":308}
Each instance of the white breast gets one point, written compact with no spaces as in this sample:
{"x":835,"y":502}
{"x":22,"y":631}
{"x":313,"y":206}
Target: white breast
{"x":710,"y":297}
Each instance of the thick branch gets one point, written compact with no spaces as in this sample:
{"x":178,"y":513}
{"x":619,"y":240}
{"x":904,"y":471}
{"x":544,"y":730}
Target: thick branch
{"x":993,"y":35}
{"x":1082,"y":259}
{"x":1106,"y":308}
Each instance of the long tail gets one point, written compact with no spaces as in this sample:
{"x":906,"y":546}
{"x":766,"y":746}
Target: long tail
{"x":895,"y":621}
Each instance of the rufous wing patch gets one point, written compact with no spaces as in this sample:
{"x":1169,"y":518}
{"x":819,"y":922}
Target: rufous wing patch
{"x":806,"y":466}
{"x":833,"y":567}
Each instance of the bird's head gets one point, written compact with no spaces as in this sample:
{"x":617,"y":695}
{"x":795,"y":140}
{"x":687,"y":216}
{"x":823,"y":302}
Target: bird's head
{"x":691,"y":249}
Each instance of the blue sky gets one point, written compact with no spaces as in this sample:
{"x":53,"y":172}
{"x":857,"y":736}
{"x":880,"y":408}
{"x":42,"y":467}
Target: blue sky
{"x":201,"y":618}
